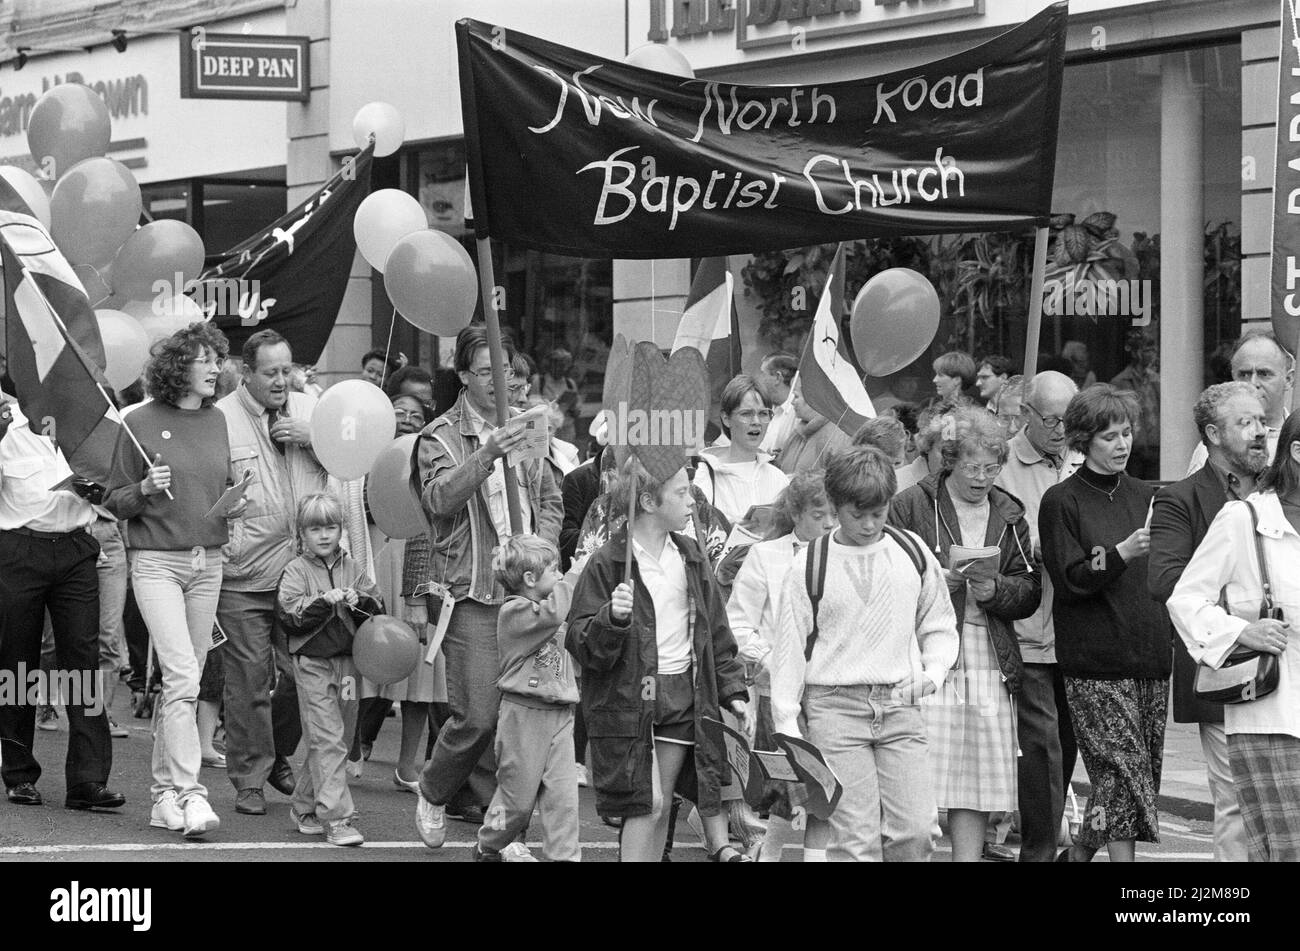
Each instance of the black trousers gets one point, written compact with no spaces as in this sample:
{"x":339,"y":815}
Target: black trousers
{"x":1048,"y":751}
{"x":55,"y":575}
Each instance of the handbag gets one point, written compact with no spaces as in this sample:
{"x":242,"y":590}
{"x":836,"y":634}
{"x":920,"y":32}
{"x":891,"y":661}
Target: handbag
{"x":1245,"y":674}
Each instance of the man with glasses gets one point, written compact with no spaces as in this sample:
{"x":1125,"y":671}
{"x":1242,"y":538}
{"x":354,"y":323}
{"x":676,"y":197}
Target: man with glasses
{"x":270,"y":432}
{"x":1258,"y":359}
{"x":1007,"y":405}
{"x":1038,"y":458}
{"x":462,"y":472}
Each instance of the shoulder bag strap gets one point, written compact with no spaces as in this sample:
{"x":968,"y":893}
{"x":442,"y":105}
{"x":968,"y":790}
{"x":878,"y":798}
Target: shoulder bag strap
{"x":1267,"y":607}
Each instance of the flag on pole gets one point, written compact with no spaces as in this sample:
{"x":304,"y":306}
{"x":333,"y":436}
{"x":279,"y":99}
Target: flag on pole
{"x":55,"y":353}
{"x":291,"y":276}
{"x":710,"y":325}
{"x":827,"y":378}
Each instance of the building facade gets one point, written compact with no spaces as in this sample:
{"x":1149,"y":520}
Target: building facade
{"x":1167,"y":138}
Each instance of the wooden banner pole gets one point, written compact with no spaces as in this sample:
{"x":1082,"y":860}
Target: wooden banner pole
{"x":496,"y":353}
{"x":1034,"y":328}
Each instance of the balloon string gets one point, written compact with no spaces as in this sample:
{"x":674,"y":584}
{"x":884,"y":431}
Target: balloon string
{"x":392,"y":324}
{"x":653,"y":336}
{"x":106,"y":287}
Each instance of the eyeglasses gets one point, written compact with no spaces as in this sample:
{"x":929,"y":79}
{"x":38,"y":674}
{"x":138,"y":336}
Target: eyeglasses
{"x":485,"y":375}
{"x":754,"y":415}
{"x":409,"y":416}
{"x":1051,"y":422}
{"x":207,"y":362}
{"x":517,"y":387}
{"x":973,"y":470}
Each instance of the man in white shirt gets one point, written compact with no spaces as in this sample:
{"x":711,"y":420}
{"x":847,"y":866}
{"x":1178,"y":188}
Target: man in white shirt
{"x":48,"y":563}
{"x":775,"y":378}
{"x":1258,"y":359}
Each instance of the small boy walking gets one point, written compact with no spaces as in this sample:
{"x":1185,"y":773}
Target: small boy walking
{"x":323,"y":595}
{"x":534,"y":738}
{"x":883,"y":635}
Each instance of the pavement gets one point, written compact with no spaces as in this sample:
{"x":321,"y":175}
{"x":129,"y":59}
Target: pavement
{"x":386,"y":814}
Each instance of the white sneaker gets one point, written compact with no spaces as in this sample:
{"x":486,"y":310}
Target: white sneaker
{"x":430,"y":822}
{"x":354,"y":768}
{"x":517,"y":852}
{"x":166,"y":812}
{"x":199,"y":817}
{"x":583,"y":778}
{"x":308,"y":824}
{"x":343,"y":833}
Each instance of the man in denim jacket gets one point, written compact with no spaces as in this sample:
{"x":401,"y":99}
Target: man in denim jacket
{"x":461,"y":472}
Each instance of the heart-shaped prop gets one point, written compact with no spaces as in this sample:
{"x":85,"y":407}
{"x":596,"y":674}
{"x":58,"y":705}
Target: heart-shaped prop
{"x":667,"y":408}
{"x":618,"y":377}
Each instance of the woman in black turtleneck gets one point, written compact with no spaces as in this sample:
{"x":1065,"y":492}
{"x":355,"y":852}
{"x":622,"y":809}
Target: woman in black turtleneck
{"x":1112,"y":638}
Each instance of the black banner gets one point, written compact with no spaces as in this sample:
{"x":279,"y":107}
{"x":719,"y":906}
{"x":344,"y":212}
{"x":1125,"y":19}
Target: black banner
{"x":291,"y":275}
{"x":579,"y":155}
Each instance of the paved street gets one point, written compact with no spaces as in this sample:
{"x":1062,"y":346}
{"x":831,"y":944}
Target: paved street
{"x":52,"y":833}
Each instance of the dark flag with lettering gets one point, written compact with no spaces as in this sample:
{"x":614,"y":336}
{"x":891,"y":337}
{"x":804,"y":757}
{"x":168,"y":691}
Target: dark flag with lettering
{"x":575,"y":154}
{"x":53,"y":346}
{"x":291,"y":276}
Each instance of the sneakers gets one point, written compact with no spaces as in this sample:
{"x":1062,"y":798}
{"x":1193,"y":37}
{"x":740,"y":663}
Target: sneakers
{"x":166,"y":813}
{"x":115,"y":731}
{"x":583,"y":779}
{"x":517,"y":852}
{"x":354,"y":768}
{"x":343,"y":833}
{"x":199,"y":817}
{"x":308,"y":824}
{"x":47,"y":718}
{"x":430,"y":822}
{"x":481,"y":856}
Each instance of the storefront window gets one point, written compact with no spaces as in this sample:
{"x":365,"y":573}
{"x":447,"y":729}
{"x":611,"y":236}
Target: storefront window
{"x":553,"y":305}
{"x":223,"y":212}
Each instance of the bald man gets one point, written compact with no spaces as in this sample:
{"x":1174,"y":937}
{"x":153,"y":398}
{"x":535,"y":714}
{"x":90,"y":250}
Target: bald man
{"x":1039,"y":458}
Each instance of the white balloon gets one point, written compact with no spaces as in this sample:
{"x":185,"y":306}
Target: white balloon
{"x":126,"y":347}
{"x":30,"y":191}
{"x":661,"y":59}
{"x":384,"y":218}
{"x":382,"y":121}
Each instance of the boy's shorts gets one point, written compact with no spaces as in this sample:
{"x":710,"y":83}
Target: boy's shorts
{"x":675,"y":708}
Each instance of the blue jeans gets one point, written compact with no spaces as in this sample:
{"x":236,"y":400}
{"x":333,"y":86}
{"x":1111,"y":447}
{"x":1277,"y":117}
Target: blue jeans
{"x":177,"y":594}
{"x":876,"y":746}
{"x":463,"y":752}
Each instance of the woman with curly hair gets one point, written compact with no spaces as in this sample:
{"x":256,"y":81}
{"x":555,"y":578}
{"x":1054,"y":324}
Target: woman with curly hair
{"x":174,"y":550}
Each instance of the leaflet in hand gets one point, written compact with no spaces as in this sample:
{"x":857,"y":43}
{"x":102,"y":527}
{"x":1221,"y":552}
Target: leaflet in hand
{"x":231,"y":497}
{"x":535,"y":423}
{"x":976,"y":563}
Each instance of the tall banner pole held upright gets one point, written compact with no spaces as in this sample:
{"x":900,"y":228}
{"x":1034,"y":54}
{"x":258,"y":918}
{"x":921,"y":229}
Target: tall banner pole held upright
{"x":1033,"y":330}
{"x":496,"y":352}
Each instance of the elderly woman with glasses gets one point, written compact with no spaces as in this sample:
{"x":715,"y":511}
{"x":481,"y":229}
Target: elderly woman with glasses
{"x":1112,"y":638}
{"x":174,"y":539}
{"x":979,"y":534}
{"x":742,"y":474}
